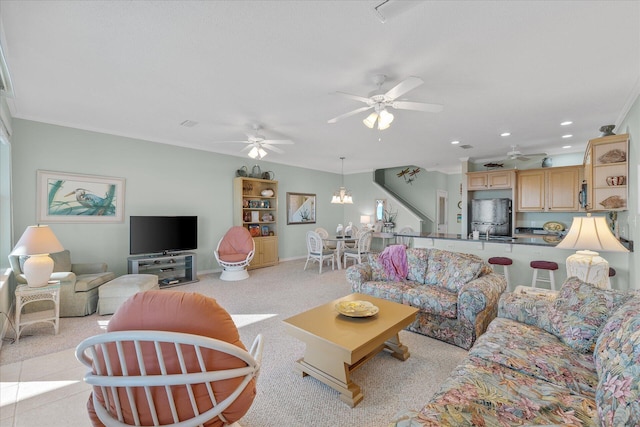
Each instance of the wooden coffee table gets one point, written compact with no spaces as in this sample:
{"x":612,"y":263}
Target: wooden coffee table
{"x":337,"y":345}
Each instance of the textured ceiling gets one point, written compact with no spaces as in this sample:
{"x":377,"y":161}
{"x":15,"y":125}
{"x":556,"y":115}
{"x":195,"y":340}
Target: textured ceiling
{"x":140,"y":68}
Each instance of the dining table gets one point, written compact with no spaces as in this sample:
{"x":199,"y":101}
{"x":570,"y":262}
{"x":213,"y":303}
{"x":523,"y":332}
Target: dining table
{"x":340,"y":243}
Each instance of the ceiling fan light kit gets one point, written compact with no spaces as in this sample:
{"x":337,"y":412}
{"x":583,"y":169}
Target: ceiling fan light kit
{"x":257,"y":152}
{"x":380,"y":101}
{"x":257,"y":144}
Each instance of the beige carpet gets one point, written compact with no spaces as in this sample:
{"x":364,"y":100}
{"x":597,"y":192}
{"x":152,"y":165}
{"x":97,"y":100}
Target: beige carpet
{"x":259,"y":305}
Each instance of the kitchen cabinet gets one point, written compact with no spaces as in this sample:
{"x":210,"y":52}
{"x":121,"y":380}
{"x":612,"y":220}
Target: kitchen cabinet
{"x":490,"y":180}
{"x":607,"y":172}
{"x":548,"y":189}
{"x":255,"y":207}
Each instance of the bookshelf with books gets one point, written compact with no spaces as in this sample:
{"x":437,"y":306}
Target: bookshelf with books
{"x":255,"y":207}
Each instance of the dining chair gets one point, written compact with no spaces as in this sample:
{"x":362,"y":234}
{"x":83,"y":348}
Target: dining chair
{"x":317,"y":252}
{"x":325,"y":235}
{"x":407,"y":241}
{"x":362,"y":248}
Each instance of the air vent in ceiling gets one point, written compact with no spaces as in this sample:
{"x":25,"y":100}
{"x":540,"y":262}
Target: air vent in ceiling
{"x":465,"y":146}
{"x":188,"y":123}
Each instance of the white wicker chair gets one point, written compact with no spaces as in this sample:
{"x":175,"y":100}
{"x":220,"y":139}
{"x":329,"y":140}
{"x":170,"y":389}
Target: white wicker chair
{"x":234,"y":252}
{"x":407,"y":241}
{"x":128,"y":390}
{"x":317,"y":252}
{"x":362,"y":248}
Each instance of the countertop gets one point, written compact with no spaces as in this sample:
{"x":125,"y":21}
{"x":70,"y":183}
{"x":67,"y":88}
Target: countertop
{"x":524,"y":239}
{"x":528,"y":240}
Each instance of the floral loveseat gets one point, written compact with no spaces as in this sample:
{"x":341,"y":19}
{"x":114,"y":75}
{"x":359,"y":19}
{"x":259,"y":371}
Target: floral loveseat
{"x":573,"y":360}
{"x":457,"y":293}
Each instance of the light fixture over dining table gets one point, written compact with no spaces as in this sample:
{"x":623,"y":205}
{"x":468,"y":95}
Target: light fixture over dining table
{"x":343,"y":195}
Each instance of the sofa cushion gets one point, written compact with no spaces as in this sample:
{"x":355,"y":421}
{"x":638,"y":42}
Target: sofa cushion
{"x":452,"y":269}
{"x":417,"y":262}
{"x":432,"y":299}
{"x":392,"y":291}
{"x":485,"y":393}
{"x":580,"y":310}
{"x":617,"y":359}
{"x":536,"y":352}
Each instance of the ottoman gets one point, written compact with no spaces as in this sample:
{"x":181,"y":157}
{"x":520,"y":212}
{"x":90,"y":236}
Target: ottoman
{"x":117,"y":291}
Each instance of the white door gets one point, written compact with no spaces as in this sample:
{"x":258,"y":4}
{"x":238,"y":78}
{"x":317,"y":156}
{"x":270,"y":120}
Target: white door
{"x":442,"y":217}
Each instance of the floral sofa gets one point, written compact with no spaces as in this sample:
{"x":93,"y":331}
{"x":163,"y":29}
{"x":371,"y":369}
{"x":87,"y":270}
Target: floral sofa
{"x":457,"y":293}
{"x":570,"y":360}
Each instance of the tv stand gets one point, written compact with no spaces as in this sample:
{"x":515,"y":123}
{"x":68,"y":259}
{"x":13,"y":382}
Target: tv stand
{"x":172,"y":269}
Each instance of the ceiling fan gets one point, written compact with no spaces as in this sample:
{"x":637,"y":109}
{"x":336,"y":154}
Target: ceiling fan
{"x":257,"y":144}
{"x":379,"y":101}
{"x":516,"y":154}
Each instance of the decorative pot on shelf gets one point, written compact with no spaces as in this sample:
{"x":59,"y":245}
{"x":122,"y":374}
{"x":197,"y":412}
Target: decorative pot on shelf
{"x":267,"y":192}
{"x":256,"y":172}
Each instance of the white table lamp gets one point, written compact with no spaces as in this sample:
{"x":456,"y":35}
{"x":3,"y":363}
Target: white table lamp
{"x":37,"y":242}
{"x":588,"y":235}
{"x":365,"y":220}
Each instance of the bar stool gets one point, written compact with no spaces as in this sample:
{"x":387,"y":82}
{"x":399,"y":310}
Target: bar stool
{"x":549,"y":266}
{"x":505,"y":263}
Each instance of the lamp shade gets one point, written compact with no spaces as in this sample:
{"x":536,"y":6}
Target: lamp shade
{"x":37,"y":240}
{"x":365,"y":219}
{"x":591,"y":233}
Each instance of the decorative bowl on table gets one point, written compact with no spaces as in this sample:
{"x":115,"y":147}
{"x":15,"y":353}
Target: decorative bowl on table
{"x":356,"y":308}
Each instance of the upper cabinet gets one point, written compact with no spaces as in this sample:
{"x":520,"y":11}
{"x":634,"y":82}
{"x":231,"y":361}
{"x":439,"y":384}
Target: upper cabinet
{"x":607,"y":173}
{"x":549,"y":189}
{"x":490,"y":180}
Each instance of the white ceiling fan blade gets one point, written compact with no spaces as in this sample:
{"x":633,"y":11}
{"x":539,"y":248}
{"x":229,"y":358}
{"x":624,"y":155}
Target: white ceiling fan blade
{"x":350,"y":113}
{"x":231,"y":142}
{"x":277,"y":141}
{"x":356,"y":97}
{"x":404,"y":86}
{"x":271,"y":147}
{"x":247,"y":148}
{"x":417,"y":106}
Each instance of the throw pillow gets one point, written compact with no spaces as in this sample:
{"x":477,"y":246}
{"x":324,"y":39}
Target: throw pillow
{"x":378,"y":272}
{"x":580,"y":310}
{"x":417,"y":264}
{"x":452,"y":270}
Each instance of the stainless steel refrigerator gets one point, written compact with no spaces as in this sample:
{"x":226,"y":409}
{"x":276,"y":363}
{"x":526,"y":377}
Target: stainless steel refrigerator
{"x":491,"y":214}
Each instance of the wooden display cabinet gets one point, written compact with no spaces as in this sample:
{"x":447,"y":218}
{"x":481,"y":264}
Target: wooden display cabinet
{"x":255,"y":207}
{"x":607,"y":173}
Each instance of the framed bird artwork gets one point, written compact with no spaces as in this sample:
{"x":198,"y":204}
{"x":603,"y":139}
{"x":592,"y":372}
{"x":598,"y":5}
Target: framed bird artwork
{"x":68,"y":197}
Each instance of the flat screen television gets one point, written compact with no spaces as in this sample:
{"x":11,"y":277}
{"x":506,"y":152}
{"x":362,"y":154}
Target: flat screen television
{"x":162,"y":234}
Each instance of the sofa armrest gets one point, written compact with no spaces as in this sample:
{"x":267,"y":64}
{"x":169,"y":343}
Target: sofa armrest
{"x":478,"y":301}
{"x":359,"y":274}
{"x":89,"y":268}
{"x":65,"y":278}
{"x":530,"y":309}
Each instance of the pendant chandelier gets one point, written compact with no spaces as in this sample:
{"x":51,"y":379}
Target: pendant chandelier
{"x":343,"y":195}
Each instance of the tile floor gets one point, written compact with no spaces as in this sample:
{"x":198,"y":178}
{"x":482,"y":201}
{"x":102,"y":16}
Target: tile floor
{"x":46,"y":390}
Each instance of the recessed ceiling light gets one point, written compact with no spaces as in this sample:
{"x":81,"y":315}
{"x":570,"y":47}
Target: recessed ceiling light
{"x":505,"y":134}
{"x":567,"y":123}
{"x":567,"y":136}
{"x":455,"y":142}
